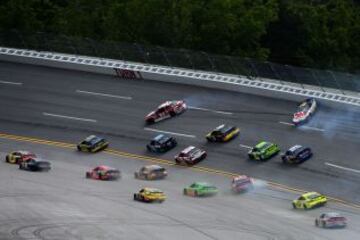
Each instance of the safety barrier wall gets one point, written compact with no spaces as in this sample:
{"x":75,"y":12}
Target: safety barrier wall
{"x":176,"y":75}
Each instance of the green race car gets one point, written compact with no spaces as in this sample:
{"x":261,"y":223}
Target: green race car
{"x":264,"y":150}
{"x":200,"y":189}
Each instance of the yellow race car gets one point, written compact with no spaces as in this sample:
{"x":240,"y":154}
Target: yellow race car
{"x":150,"y":195}
{"x":223,"y":133}
{"x":17,"y":157}
{"x":309,"y":200}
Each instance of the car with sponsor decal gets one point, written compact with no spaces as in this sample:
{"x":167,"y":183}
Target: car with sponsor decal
{"x":35,"y":165}
{"x":309,"y":200}
{"x":17,"y":157}
{"x":241,"y":183}
{"x":263,"y":151}
{"x":161,"y":143}
{"x":190,"y":156}
{"x":166,"y":110}
{"x":103,"y":172}
{"x":199,"y":189}
{"x":296,"y":154}
{"x":223,"y":133}
{"x":92,"y":144}
{"x":305,"y":110}
{"x":150,"y":195}
{"x":151,"y":172}
{"x":331,"y":220}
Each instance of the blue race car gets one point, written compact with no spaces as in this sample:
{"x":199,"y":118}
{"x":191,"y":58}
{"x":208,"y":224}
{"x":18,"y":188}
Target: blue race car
{"x":296,"y":154}
{"x":161,"y":143}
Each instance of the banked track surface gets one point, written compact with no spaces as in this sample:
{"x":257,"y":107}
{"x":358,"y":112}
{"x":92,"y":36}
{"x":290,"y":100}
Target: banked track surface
{"x":32,"y":99}
{"x":62,"y":204}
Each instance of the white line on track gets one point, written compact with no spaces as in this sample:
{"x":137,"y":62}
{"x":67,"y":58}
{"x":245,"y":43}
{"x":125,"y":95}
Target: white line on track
{"x":343,"y":168}
{"x":173,"y":133}
{"x":245,"y":146}
{"x":11,"y":83}
{"x":104,"y":94}
{"x":304,"y":127}
{"x":286,"y":123}
{"x":69,"y":117}
{"x":210,"y":110}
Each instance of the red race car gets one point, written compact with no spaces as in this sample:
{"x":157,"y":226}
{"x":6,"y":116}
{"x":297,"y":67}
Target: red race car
{"x":17,"y":157}
{"x":166,"y":110}
{"x":103,"y":173}
{"x":241,"y":183}
{"x":190,"y":156}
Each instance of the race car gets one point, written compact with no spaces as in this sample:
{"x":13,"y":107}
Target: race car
{"x":166,"y":110}
{"x":161,"y":143}
{"x":241,"y":183}
{"x":103,"y":173}
{"x":309,"y":200}
{"x":305,"y":110}
{"x":331,"y":220}
{"x":151,"y":172}
{"x":263,"y":150}
{"x":223,"y":133}
{"x":17,"y":157}
{"x":198,"y":189}
{"x":296,"y":154}
{"x":35,"y":164}
{"x":190,"y":156}
{"x":92,"y":144}
{"x":150,"y":195}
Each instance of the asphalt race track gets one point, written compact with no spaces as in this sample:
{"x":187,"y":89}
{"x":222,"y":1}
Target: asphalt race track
{"x":66,"y":106}
{"x":62,"y":204}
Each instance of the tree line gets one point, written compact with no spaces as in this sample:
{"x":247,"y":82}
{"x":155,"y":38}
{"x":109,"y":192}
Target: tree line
{"x":310,"y":33}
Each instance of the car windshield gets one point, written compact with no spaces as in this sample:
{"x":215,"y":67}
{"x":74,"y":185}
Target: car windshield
{"x":194,"y":151}
{"x":262,"y":146}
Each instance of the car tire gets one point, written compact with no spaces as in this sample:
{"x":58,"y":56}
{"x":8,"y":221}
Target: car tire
{"x":323,"y":224}
{"x":148,"y":148}
{"x":135,"y":197}
{"x":305,"y":207}
{"x":79,"y":148}
{"x":172,"y":114}
{"x":185,"y":192}
{"x":7,"y":158}
{"x":177,"y":161}
{"x":196,"y":194}
{"x":150,"y":121}
{"x":316,"y":222}
{"x":294,"y":205}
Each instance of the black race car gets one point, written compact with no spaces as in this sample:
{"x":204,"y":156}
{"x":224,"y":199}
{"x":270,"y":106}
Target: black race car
{"x":34,"y":164}
{"x":92,"y":144}
{"x":161,"y":143}
{"x":223,"y":133}
{"x":296,"y":154}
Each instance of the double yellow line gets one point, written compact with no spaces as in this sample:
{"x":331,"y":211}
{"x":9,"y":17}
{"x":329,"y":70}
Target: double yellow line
{"x":164,"y":162}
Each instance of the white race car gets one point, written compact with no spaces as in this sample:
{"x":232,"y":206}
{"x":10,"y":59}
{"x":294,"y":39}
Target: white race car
{"x":305,"y":110}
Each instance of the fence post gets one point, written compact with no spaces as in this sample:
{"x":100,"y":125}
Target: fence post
{"x":315,"y":77}
{"x":275,"y":72}
{"x":334,"y":77}
{"x":141,"y":52}
{"x":165,"y":56}
{"x":210,"y":61}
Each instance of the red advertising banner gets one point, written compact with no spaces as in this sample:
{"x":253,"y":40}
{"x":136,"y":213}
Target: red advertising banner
{"x":127,"y":74}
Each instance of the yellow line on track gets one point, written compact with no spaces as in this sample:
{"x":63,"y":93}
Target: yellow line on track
{"x":165,"y":162}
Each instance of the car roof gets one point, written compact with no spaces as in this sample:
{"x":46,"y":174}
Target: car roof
{"x":332,"y":214}
{"x":161,"y":138}
{"x":23,"y":152}
{"x":153,"y":167}
{"x":240,"y":177}
{"x":93,"y":138}
{"x":309,"y":194}
{"x":188,"y":149}
{"x":103,"y":167}
{"x":165,"y":104}
{"x":263,"y":144}
{"x":202,"y":184}
{"x":152,"y":189}
{"x":224,"y":128}
{"x":295,"y":147}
